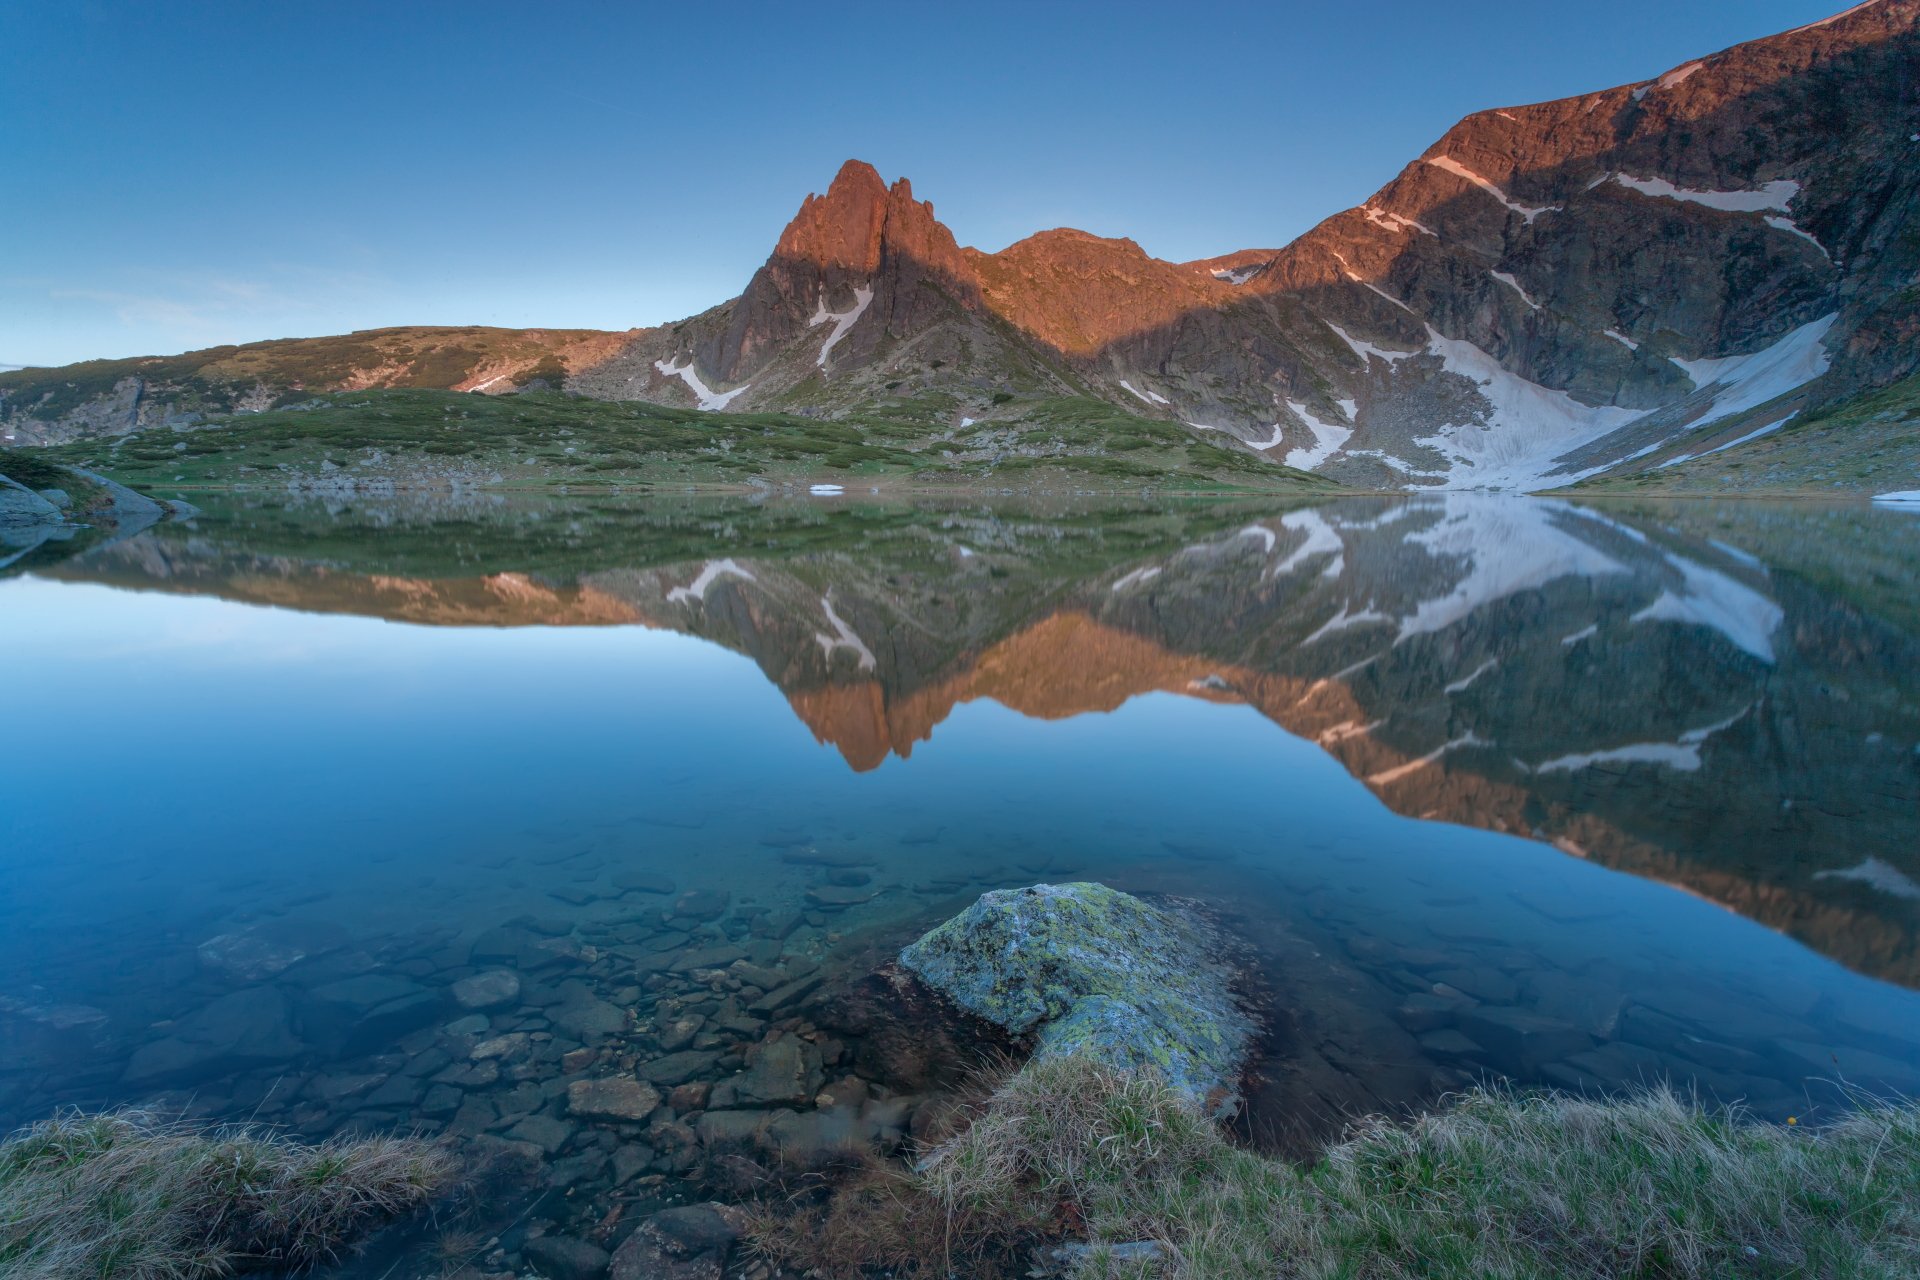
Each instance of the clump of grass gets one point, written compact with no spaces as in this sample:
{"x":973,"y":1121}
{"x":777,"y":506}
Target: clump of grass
{"x":1496,"y":1184}
{"x":124,"y":1194}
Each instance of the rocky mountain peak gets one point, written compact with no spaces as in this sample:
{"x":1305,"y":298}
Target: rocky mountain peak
{"x":864,"y":259}
{"x":841,"y":229}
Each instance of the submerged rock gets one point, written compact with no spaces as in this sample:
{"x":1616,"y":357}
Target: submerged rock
{"x":1086,"y":969}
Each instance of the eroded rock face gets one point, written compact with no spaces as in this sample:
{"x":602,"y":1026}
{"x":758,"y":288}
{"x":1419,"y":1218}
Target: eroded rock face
{"x":1089,"y":970}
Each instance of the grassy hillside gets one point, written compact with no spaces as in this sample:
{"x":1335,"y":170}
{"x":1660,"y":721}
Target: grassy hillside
{"x":436,"y":439}
{"x":1865,"y":445}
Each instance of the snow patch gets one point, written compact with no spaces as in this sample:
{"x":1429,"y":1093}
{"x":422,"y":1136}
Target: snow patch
{"x":1344,"y":730}
{"x":1341,"y":621}
{"x":1396,"y":222}
{"x":1769,"y":429}
{"x":1327,"y":438}
{"x":1900,"y":497}
{"x":1622,"y":339}
{"x":1388,"y":776}
{"x":1876,"y":874}
{"x":1364,"y":349}
{"x":1320,"y":540}
{"x":1465,"y":682}
{"x":826,"y":490}
{"x":1449,"y":165}
{"x":1347,"y":270}
{"x":1773,"y":196}
{"x":843,"y":637}
{"x":1844,"y":13}
{"x":1268,"y":537}
{"x":1525,"y":426}
{"x":1585,"y":633}
{"x":1679,"y":75}
{"x":1238,"y":275}
{"x":1793,"y":228}
{"x":1709,"y":598}
{"x":710,"y":573}
{"x":1683,"y":755}
{"x":1513,"y":284}
{"x":1150,"y":397}
{"x":1752,"y":380}
{"x":1137,"y":577}
{"x":1503,"y":547}
{"x":709,"y":399}
{"x":842,"y":320}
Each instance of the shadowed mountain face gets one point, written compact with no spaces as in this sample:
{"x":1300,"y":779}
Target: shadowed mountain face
{"x":1714,"y":697}
{"x":1598,"y":285}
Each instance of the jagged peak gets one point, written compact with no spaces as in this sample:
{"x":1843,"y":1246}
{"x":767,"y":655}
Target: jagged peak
{"x":856,"y":176}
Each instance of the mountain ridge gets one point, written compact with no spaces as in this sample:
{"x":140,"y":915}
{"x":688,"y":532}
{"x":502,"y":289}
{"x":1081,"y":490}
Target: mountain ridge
{"x":1588,"y":287}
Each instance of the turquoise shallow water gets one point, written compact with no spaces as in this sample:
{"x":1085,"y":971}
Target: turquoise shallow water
{"x":1583,"y":798}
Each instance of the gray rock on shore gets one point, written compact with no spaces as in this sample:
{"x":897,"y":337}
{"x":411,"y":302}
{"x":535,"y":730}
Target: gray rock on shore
{"x":1086,"y":969}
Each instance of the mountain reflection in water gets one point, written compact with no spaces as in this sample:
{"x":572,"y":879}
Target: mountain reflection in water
{"x":1716,"y":697}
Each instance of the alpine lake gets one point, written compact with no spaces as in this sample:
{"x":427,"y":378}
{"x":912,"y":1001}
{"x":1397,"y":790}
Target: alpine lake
{"x":368,"y":815}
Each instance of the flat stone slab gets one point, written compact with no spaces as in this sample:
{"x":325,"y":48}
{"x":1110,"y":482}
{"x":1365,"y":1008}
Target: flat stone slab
{"x":619,"y":1099}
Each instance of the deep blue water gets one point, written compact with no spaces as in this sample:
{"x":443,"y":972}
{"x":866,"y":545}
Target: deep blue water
{"x":1585,"y":799}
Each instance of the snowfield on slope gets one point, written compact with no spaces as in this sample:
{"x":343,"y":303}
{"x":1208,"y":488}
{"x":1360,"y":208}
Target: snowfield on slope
{"x":842,"y":320}
{"x":710,"y":400}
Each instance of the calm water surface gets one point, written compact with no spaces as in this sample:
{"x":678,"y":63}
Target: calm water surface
{"x":1579,"y":796}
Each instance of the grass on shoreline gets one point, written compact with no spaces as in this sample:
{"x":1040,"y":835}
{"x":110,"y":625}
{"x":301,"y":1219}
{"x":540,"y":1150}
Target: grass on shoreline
{"x":1498,"y":1184}
{"x":124,"y":1195}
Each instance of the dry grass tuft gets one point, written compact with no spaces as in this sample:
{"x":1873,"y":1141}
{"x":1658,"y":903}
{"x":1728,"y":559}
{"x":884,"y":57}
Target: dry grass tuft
{"x":1497,"y":1185}
{"x":124,"y":1194}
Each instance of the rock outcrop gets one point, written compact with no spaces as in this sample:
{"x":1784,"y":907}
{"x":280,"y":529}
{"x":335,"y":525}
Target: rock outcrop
{"x":1085,"y":969}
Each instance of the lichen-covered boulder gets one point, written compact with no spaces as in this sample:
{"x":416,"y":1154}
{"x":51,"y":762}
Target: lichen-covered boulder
{"x":1086,"y":969}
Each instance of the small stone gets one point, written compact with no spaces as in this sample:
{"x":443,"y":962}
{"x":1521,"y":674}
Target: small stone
{"x":619,"y":1099}
{"x":698,"y":1228}
{"x":1450,"y":1044}
{"x":707,"y":958}
{"x":679,"y":1033}
{"x":837,"y":897}
{"x":780,"y":997}
{"x":691,"y":1096}
{"x":678,"y":1068}
{"x":788,"y":1070}
{"x":510,"y":1045}
{"x":639,"y":880}
{"x":492,"y":989}
{"x":630,"y":1159}
{"x":564,"y":1258}
{"x":544,"y":1132}
{"x":702,"y":904}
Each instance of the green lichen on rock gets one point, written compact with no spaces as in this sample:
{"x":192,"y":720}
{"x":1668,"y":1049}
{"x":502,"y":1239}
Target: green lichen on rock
{"x":1090,"y":971}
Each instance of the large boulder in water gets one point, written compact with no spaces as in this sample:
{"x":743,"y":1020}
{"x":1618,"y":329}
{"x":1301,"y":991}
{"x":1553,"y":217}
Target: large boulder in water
{"x":1086,"y":969}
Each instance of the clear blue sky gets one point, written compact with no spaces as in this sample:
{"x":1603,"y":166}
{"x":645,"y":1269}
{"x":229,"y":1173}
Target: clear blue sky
{"x":180,"y":175}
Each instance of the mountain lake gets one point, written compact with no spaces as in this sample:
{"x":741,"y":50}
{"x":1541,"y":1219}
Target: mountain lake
{"x":406,"y":814}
